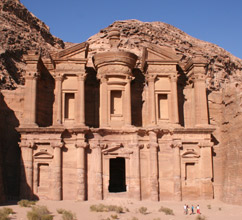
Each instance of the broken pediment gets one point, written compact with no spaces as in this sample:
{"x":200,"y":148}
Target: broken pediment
{"x":78,"y":51}
{"x":155,"y":53}
{"x":43,"y":155}
{"x":190,"y":154}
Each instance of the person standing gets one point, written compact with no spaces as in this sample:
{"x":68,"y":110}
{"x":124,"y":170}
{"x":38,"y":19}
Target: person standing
{"x":198,"y":210}
{"x":192,"y":210}
{"x":185,"y":209}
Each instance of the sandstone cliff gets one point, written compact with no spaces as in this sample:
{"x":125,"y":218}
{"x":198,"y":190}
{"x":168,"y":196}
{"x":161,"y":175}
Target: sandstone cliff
{"x":20,"y":31}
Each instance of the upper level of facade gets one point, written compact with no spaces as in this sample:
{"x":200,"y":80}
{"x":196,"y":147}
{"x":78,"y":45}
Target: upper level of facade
{"x":118,"y":90}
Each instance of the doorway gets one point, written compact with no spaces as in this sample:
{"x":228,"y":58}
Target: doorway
{"x":117,"y":176}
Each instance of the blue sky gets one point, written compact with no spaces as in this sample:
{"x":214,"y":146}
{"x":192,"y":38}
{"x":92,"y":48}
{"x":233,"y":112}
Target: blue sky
{"x":215,"y":21}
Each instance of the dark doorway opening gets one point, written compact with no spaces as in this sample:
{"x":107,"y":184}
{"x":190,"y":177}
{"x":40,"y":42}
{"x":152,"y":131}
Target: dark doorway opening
{"x":117,"y":175}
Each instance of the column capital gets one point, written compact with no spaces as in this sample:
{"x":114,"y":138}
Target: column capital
{"x":150,"y":77}
{"x":98,"y":145}
{"x":32,"y":75}
{"x":82,"y":76}
{"x":135,"y":145}
{"x":173,"y":77}
{"x":176,"y":144}
{"x":102,"y":78}
{"x":129,"y":78}
{"x":58,"y":76}
{"x":203,"y":144}
{"x":57,"y":144}
{"x":153,"y":145}
{"x":199,"y":77}
{"x":27,"y":144}
{"x":81,"y":145}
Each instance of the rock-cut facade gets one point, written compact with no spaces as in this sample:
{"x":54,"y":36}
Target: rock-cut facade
{"x":126,"y":125}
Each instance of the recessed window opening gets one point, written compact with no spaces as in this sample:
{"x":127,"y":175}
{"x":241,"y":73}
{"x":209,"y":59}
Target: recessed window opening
{"x":117,"y":178}
{"x":43,"y":175}
{"x":162,"y":106}
{"x":116,"y":102}
{"x":190,"y":171}
{"x":69,"y":105}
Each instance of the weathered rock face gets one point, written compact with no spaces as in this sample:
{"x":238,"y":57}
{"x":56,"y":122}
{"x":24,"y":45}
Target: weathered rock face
{"x":21,"y":31}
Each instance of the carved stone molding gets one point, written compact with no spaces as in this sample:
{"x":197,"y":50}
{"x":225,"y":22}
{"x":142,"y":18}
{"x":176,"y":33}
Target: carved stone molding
{"x":27,"y":143}
{"x":32,"y":75}
{"x":81,"y":145}
{"x":57,"y":144}
{"x":151,"y":77}
{"x":205,"y":144}
{"x":177,"y":144}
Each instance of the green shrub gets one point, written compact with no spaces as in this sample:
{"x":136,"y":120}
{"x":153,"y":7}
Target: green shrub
{"x":26,"y":203}
{"x":8,"y":210}
{"x":39,"y":213}
{"x":114,"y":216}
{"x":143,"y":210}
{"x":106,"y":208}
{"x":60,"y":211}
{"x":167,"y":211}
{"x":5,"y":212}
{"x":68,"y":215}
{"x":199,"y":217}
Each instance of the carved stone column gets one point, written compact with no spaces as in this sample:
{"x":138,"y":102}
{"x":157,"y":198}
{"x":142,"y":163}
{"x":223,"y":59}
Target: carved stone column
{"x":97,"y":168}
{"x":174,"y":101}
{"x":135,"y":181}
{"x":26,"y":183}
{"x":201,"y":108}
{"x":177,"y":170}
{"x":128,"y":119}
{"x":81,"y":171}
{"x":151,"y":103}
{"x":57,"y":171}
{"x":35,"y":179}
{"x":206,"y":170}
{"x":154,"y":184}
{"x":30,"y":99}
{"x":58,"y":101}
{"x":80,"y":106}
{"x":103,"y":102}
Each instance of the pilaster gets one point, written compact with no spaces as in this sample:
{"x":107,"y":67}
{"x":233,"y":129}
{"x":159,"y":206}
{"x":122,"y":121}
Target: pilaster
{"x":151,"y":101}
{"x":97,"y":168}
{"x":30,"y":94}
{"x":174,"y":100}
{"x":26,"y":182}
{"x":128,"y":118}
{"x":177,"y":145}
{"x":153,"y":148}
{"x":135,"y":177}
{"x":81,"y":170}
{"x":206,"y":170}
{"x":57,"y":171}
{"x":103,"y":102}
{"x":57,"y":118}
{"x":80,"y":103}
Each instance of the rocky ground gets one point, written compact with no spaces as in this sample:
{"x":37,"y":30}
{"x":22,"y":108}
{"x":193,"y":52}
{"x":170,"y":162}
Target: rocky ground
{"x":211,"y":210}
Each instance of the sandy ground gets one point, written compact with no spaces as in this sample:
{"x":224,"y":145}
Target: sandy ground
{"x":218,"y":211}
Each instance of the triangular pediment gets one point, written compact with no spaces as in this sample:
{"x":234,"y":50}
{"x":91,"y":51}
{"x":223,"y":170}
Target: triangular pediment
{"x":78,"y":51}
{"x":158,"y":53}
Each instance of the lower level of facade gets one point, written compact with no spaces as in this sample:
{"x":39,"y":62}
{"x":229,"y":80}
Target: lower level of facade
{"x":95,"y":164}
